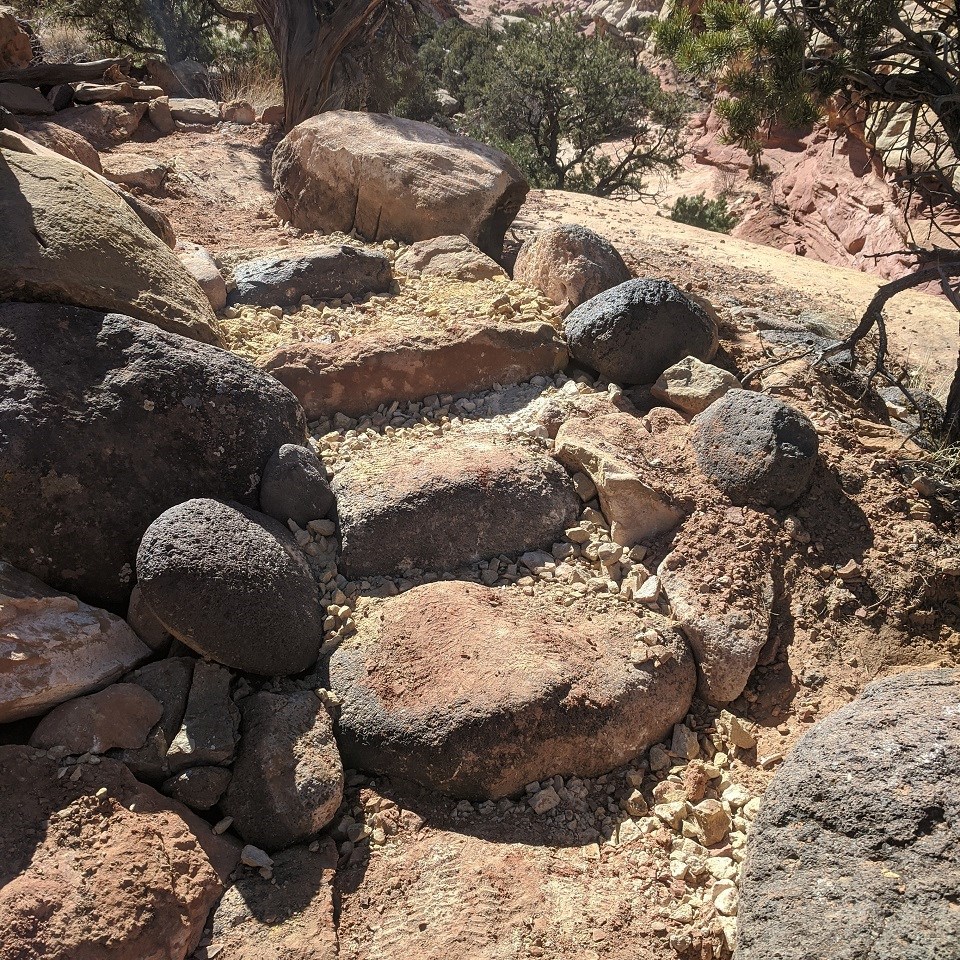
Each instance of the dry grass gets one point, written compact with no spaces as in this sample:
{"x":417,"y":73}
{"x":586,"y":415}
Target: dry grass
{"x":65,"y":42}
{"x":254,"y":82}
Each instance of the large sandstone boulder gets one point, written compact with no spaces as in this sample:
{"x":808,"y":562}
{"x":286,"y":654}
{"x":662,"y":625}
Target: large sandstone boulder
{"x":63,"y":141}
{"x":570,"y":264}
{"x":55,"y":647}
{"x":15,"y":48}
{"x":68,"y":238}
{"x":755,"y":448}
{"x":231,"y":584}
{"x":288,"y":779}
{"x":454,"y":257}
{"x":477,"y":692}
{"x":98,"y":865}
{"x":322,"y":273}
{"x":290,"y":915}
{"x":440,"y":504}
{"x":639,"y":465}
{"x":105,"y":421}
{"x":856,"y":850}
{"x":391,"y":178}
{"x":631,"y":333}
{"x":356,"y":375}
{"x":20,"y":99}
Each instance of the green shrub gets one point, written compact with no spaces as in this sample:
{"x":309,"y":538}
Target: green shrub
{"x":698,"y":211}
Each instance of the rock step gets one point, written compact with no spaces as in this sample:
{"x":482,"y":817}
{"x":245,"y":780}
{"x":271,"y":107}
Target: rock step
{"x":477,"y":692}
{"x":440,"y":503}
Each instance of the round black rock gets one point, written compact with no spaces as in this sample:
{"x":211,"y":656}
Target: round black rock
{"x":231,"y":584}
{"x":756,"y":449}
{"x":631,"y":333}
{"x":294,"y":486}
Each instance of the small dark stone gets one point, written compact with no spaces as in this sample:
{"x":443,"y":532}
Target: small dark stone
{"x":756,"y":449}
{"x":326,"y":273}
{"x":631,"y":333}
{"x":294,"y":486}
{"x":199,"y":787}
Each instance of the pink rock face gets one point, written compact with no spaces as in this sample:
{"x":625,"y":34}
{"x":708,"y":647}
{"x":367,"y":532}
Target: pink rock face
{"x":53,"y":647}
{"x":99,"y":865}
{"x":830,"y":200}
{"x":120,"y":716}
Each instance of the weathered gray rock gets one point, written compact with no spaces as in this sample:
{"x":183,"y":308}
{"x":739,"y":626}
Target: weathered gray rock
{"x":105,"y":421}
{"x":208,"y":732}
{"x":388,"y":177}
{"x":20,"y":99}
{"x":231,"y":584}
{"x":194,"y":110}
{"x":160,"y":115}
{"x":200,"y":788}
{"x":756,"y":449}
{"x":476,"y":692}
{"x":631,"y":333}
{"x":453,"y":257}
{"x":856,"y":850}
{"x":442,"y":504}
{"x":289,"y":916}
{"x":69,"y":238}
{"x":324,"y":273}
{"x":55,"y":647}
{"x":569,"y":265}
{"x":168,"y":682}
{"x":691,"y":385}
{"x":120,"y":716}
{"x":288,"y":779}
{"x":294,"y":486}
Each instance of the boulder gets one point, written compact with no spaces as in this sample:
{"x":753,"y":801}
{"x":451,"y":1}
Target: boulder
{"x":631,"y":333}
{"x":96,"y":864}
{"x":386,"y":177}
{"x":20,"y":99}
{"x":239,"y":111}
{"x":123,"y":92}
{"x":122,"y":716}
{"x":15,"y":47}
{"x":290,"y":915}
{"x":856,"y":849}
{"x":728,"y":627}
{"x":105,"y":421}
{"x":294,"y":486}
{"x":70,"y":239}
{"x":203,"y":268}
{"x":639,"y":466}
{"x":55,"y":647}
{"x":161,"y":117}
{"x":569,"y":265}
{"x":208,"y":732}
{"x":322,"y":273}
{"x":135,"y":170}
{"x":477,"y":692}
{"x":438,"y":504}
{"x":61,"y":96}
{"x":168,"y":682}
{"x":288,"y":780}
{"x":691,"y":385}
{"x":199,"y":788}
{"x":356,"y":375}
{"x":153,"y":219}
{"x":145,"y":623}
{"x":756,"y":449}
{"x":184,"y":79}
{"x":194,"y":110}
{"x":105,"y":125}
{"x":63,"y":141}
{"x":231,"y":584}
{"x":455,"y":257}
{"x":273,"y":115}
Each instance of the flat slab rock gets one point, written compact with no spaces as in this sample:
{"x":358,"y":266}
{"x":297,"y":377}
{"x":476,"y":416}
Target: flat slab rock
{"x":356,"y":375}
{"x":101,"y":865}
{"x":476,"y":692}
{"x":856,"y":850}
{"x":441,"y":503}
{"x":54,"y":647}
